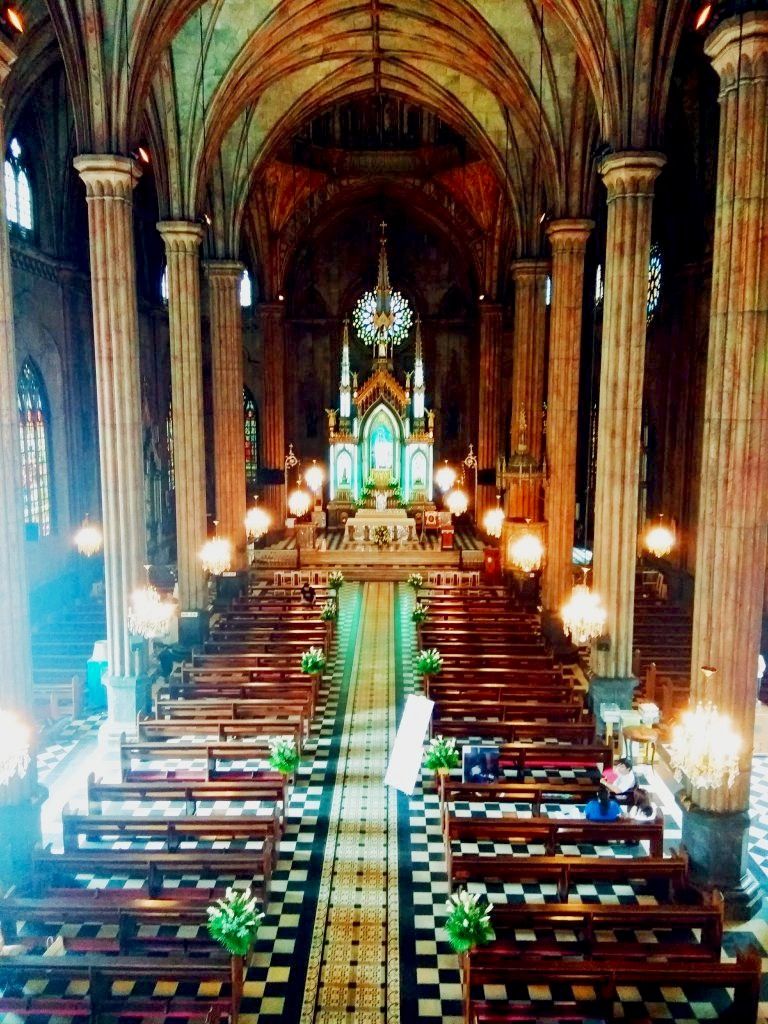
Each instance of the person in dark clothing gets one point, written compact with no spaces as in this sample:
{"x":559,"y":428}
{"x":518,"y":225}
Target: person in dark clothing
{"x":308,"y":594}
{"x":602,"y":807}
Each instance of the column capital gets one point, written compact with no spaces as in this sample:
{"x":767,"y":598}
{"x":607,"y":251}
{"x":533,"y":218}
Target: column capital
{"x":490,"y":309}
{"x":181,"y":235}
{"x":7,"y":57}
{"x":529,"y":267}
{"x":735,"y":46}
{"x":631,"y":172}
{"x":272,"y":310}
{"x":223,"y":271}
{"x":107,"y":176}
{"x":569,"y":234}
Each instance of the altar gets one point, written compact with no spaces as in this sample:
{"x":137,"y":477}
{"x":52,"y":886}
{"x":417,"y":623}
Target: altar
{"x":362,"y":526}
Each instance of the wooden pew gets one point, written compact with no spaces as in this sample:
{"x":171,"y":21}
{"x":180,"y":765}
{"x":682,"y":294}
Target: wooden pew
{"x":537,"y":794}
{"x":518,"y":732}
{"x":269,"y":787}
{"x":522,"y":757}
{"x":210,"y":753}
{"x":253,"y":730}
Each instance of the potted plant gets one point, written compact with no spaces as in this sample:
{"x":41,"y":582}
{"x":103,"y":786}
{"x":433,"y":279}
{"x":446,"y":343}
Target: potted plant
{"x":429,"y":663}
{"x":469,"y":922}
{"x":329,"y":613}
{"x":234,"y":923}
{"x":283,"y":755}
{"x":441,"y":755}
{"x":336,"y":581}
{"x":416,"y":581}
{"x":313,"y":661}
{"x":418,"y":617}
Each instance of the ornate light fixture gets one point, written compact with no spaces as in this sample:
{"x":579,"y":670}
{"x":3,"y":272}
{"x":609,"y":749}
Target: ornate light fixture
{"x":445,"y":477}
{"x":493,"y":520}
{"x":88,"y":539}
{"x":659,"y":539}
{"x":148,"y":615}
{"x":457,"y":501}
{"x":216,"y":554}
{"x":314,"y":477}
{"x":583,"y":615}
{"x":257,"y":522}
{"x":704,"y":746}
{"x":382,"y":317}
{"x":526,"y":552}
{"x":299,"y":503}
{"x":14,"y":747}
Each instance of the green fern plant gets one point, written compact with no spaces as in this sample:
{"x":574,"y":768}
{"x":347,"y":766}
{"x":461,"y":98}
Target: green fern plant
{"x":441,"y":753}
{"x":330,"y":611}
{"x":313,"y":661}
{"x":234,"y":921}
{"x":283,"y":756}
{"x":469,"y":922}
{"x":429,"y":662}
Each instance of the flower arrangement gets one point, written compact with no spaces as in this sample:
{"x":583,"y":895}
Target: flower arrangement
{"x":313,"y":661}
{"x":330,"y":611}
{"x":415,"y":580}
{"x":429,"y":662}
{"x":336,"y":580}
{"x":469,"y":922}
{"x":381,"y":535}
{"x":234,"y":922}
{"x":283,"y":755}
{"x":419,"y":613}
{"x":441,"y":753}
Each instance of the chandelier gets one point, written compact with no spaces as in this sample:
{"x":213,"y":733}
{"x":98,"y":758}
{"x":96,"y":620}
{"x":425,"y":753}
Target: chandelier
{"x":88,"y":539}
{"x":314,"y":477}
{"x":299,"y":502}
{"x":526,"y":552}
{"x":704,"y":746}
{"x":149,"y":615}
{"x":14,"y":747}
{"x":659,"y":539}
{"x":493,"y":521}
{"x":583,"y":615}
{"x":216,"y":554}
{"x":382,"y":317}
{"x":457,"y":501}
{"x":445,"y":477}
{"x":257,"y":522}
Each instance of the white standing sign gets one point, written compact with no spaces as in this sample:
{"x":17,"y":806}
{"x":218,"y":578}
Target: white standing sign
{"x":408,"y":749}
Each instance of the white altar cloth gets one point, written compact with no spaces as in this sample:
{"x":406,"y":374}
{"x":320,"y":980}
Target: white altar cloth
{"x":363,"y":524}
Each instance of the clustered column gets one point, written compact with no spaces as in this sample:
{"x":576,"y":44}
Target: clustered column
{"x":530,"y":277}
{"x":733,"y":504}
{"x":273,"y":334}
{"x":629,"y":179}
{"x":489,"y":434}
{"x":226,"y":321}
{"x":568,"y":239}
{"x":109,"y":183}
{"x":182,"y":243}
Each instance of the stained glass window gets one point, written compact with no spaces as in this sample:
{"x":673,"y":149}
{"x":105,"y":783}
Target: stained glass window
{"x":655,"y":269}
{"x":35,"y":449}
{"x":164,"y":286}
{"x":599,"y":287}
{"x":246,"y":290}
{"x":169,"y":449}
{"x":548,"y":291}
{"x":251,"y":439}
{"x":18,"y":194}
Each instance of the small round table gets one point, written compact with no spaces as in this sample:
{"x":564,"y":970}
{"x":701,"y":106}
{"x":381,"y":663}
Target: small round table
{"x":643,"y":735}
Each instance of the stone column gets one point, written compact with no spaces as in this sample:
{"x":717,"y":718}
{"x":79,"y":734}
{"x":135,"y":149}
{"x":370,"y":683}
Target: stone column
{"x":109,"y":183}
{"x":489,"y":431}
{"x":20,"y":799}
{"x":275,"y":447}
{"x":530,"y":277}
{"x":568,"y":239}
{"x":733,"y":504}
{"x":629,"y":179}
{"x":226,"y":320}
{"x":182,"y":243}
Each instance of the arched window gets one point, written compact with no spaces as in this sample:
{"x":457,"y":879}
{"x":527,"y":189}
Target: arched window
{"x":35,"y":449}
{"x":164,"y":286}
{"x":169,"y":449}
{"x":18,"y":194}
{"x":246,"y":290}
{"x":655,"y":271}
{"x":599,"y":287}
{"x":251,"y":439}
{"x":548,"y":290}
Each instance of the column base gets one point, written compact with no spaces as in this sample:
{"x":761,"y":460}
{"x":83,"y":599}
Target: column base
{"x":193,"y":627}
{"x":609,"y":690}
{"x":717,"y":844}
{"x":21,"y":832}
{"x":126,"y":697}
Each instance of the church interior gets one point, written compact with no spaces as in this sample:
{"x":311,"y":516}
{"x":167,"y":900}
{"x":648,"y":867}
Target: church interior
{"x":383,"y":511}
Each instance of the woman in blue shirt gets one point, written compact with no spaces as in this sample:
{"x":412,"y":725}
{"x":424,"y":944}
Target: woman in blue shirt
{"x":602,"y":807}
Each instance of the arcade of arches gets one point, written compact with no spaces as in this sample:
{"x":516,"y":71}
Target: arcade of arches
{"x":572,"y":201}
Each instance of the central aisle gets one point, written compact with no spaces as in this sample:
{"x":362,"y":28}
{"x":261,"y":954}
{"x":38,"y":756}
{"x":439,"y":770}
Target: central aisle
{"x":354,"y":963}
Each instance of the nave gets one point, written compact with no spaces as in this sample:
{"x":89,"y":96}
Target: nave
{"x":356,"y":902}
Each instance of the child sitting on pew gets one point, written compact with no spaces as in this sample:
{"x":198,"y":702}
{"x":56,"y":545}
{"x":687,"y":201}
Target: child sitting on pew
{"x":620,"y":780}
{"x":643,"y":809}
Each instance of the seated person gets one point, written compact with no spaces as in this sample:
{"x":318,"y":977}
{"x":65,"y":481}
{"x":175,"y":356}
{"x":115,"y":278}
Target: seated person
{"x":308,"y":594}
{"x":643,"y":809}
{"x":620,"y":779}
{"x":602,"y":807}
